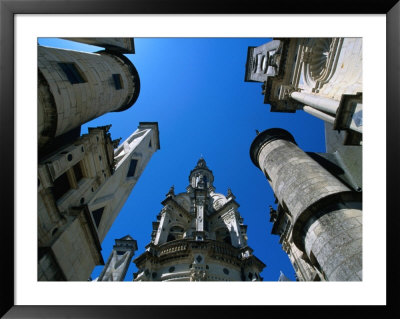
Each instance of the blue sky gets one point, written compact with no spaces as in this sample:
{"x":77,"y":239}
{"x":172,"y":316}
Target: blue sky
{"x":194,"y":88}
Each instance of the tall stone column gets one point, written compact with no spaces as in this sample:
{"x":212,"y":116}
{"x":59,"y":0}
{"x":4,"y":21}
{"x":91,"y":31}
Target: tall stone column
{"x":326,"y":214}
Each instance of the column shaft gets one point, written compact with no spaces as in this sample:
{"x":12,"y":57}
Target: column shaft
{"x":321,"y":115}
{"x":321,"y":103}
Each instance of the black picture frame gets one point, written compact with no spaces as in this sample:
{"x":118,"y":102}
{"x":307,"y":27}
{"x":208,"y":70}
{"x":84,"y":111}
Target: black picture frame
{"x":9,"y":8}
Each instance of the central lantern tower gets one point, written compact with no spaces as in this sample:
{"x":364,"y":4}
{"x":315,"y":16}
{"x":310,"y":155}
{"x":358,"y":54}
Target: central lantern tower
{"x":199,"y":235}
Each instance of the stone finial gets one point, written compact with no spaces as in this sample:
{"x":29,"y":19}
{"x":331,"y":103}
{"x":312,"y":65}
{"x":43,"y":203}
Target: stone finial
{"x":273,"y":214}
{"x":201,"y":162}
{"x":171,"y":191}
{"x":257,"y":132}
{"x":230,"y":194}
{"x":115,"y":142}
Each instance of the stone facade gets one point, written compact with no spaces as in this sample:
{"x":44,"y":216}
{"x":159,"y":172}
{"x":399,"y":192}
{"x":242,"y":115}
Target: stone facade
{"x":76,"y":87}
{"x":319,"y":217}
{"x":199,"y":235}
{"x":68,"y":179}
{"x":82,"y":181}
{"x":322,"y":76}
{"x":118,"y":263}
{"x":82,"y":188}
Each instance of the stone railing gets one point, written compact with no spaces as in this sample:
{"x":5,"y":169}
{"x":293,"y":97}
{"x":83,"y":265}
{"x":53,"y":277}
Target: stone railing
{"x":212,"y":246}
{"x":171,"y":247}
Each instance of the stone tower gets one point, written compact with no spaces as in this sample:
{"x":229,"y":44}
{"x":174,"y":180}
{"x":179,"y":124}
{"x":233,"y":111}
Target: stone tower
{"x":119,"y":260}
{"x":76,"y":87}
{"x":319,"y":215}
{"x":199,"y":235}
{"x":82,"y":188}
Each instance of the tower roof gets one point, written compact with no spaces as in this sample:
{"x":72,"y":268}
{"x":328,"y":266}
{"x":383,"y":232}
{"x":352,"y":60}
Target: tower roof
{"x":127,"y":237}
{"x":201,"y":163}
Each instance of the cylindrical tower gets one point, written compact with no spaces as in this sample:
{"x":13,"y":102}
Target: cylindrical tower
{"x":325,"y":213}
{"x":76,"y":87}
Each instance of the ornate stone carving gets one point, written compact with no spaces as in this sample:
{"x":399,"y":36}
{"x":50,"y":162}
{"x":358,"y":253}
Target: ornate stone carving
{"x":198,"y":275}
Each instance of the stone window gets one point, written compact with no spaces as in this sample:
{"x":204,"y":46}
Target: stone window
{"x":226,"y":271}
{"x":206,"y":227}
{"x":171,"y":269}
{"x":78,"y":171}
{"x":117,"y":81}
{"x":68,"y":180}
{"x":97,"y":215}
{"x":61,"y":186}
{"x":72,"y":72}
{"x":132,"y":168}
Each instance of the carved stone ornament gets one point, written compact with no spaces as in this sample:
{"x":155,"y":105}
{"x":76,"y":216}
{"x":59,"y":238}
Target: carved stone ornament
{"x":198,"y":275}
{"x":229,"y":217}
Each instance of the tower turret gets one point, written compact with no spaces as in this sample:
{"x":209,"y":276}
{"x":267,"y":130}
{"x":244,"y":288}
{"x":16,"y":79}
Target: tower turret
{"x":76,"y":87}
{"x":118,"y":263}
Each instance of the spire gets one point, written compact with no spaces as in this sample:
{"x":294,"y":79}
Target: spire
{"x":171,"y":191}
{"x":282,"y":277}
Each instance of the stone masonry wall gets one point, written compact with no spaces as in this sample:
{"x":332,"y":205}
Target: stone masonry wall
{"x":335,"y":239}
{"x":297,"y":180}
{"x":81,"y":102}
